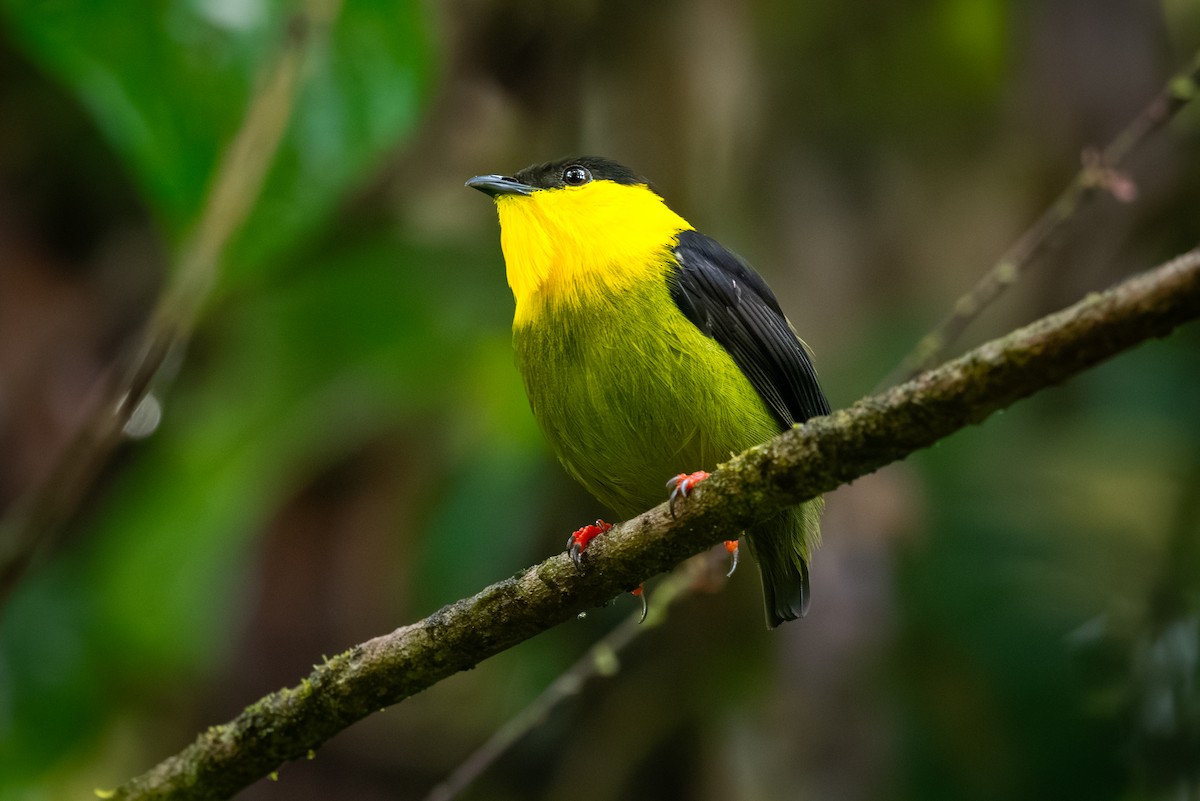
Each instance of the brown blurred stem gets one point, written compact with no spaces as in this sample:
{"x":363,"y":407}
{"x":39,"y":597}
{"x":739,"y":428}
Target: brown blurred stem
{"x":797,"y":465}
{"x":1100,"y":171}
{"x":32,"y":525}
{"x":600,"y":660}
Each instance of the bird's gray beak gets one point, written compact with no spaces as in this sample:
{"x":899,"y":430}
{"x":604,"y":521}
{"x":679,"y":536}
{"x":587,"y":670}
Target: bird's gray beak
{"x":497,"y":185}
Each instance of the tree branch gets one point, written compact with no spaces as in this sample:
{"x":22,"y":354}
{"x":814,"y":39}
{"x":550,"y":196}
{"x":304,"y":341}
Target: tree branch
{"x":1100,"y":171}
{"x":601,"y":659}
{"x":799,"y":464}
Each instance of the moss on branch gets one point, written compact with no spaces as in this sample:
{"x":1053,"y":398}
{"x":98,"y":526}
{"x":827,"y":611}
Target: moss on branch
{"x":799,"y":464}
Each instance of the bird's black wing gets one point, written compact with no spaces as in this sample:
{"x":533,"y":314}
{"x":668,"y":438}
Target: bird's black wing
{"x":731,"y":303}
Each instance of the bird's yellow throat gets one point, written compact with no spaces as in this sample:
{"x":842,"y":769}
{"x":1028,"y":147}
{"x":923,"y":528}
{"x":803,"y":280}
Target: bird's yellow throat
{"x":573,"y":245}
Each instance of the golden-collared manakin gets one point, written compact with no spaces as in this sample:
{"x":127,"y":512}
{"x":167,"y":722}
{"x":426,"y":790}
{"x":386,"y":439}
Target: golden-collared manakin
{"x":647,"y":348}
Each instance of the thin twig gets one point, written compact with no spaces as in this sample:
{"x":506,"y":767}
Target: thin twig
{"x":600,"y":660}
{"x":35,"y":519}
{"x":799,"y":464}
{"x":1100,"y":171}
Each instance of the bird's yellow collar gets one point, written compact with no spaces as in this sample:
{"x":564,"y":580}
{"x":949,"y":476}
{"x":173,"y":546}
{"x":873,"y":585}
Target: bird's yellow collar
{"x":572,"y":245}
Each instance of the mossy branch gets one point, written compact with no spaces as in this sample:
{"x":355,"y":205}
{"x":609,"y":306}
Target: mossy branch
{"x":799,"y":464}
{"x":601,"y":659}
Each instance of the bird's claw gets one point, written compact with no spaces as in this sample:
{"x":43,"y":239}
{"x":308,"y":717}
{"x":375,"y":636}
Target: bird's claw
{"x":580,"y":537}
{"x":681,"y":486}
{"x":732,"y":547}
{"x":640,"y":592}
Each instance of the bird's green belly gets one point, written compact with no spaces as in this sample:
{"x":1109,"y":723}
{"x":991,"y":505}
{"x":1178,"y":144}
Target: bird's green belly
{"x":629,"y":393}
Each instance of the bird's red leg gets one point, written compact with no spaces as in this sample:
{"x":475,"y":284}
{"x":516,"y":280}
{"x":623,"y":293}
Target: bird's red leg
{"x":578,"y":541}
{"x":580,"y":538}
{"x":640,"y":592}
{"x":732,"y":547}
{"x":681,"y":486}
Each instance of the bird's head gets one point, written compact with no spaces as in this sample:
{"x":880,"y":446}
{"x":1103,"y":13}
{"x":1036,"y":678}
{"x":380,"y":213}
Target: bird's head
{"x":576,"y":227}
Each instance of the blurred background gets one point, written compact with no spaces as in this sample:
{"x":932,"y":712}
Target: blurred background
{"x":346,"y":447}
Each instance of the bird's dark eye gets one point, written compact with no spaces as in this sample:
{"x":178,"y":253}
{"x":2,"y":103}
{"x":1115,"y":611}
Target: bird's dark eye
{"x":576,"y":176}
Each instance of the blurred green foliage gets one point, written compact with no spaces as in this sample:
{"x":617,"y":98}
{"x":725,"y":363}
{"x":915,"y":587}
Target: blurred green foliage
{"x":347,"y":445}
{"x":168,"y":85}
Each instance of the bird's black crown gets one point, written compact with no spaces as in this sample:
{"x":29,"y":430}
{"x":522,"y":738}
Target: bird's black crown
{"x":550,"y":174}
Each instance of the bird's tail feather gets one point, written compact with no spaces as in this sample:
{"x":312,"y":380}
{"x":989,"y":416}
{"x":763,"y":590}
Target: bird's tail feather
{"x":782,"y":547}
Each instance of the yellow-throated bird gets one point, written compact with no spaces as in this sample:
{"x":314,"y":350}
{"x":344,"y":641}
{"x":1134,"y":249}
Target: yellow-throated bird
{"x":647,"y":347}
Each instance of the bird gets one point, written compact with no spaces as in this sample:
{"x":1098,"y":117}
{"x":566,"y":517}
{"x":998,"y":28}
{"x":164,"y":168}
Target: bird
{"x":647,"y":348}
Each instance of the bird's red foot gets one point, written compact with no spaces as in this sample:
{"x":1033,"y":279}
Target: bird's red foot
{"x":732,"y":547}
{"x":681,"y":486}
{"x":580,"y":538}
{"x":640,"y":592}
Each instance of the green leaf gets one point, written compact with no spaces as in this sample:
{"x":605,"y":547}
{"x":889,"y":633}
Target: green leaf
{"x":169,"y":83}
